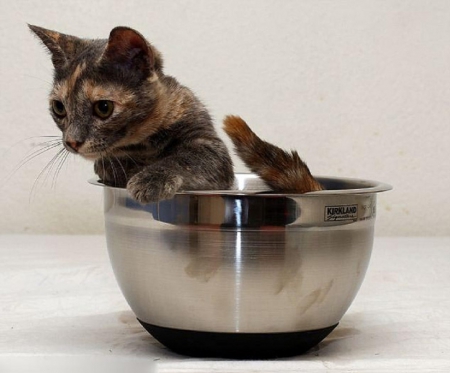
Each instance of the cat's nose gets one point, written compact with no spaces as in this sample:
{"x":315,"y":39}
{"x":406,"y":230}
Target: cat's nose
{"x":74,"y":145}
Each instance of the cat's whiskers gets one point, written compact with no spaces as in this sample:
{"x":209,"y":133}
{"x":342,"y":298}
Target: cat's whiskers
{"x":48,"y":142}
{"x":44,"y":147}
{"x":62,"y":160}
{"x":53,"y":139}
{"x":113,"y":170}
{"x":121,"y":166}
{"x":131,"y":158}
{"x":39,"y":148}
{"x":103,"y":161}
{"x":57,"y":160}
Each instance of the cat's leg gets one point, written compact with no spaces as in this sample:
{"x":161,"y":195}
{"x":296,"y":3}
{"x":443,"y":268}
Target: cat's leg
{"x":190,"y":169}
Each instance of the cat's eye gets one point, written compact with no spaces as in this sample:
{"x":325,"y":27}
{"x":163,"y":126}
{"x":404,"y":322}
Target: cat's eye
{"x":59,"y":109}
{"x":103,"y":108}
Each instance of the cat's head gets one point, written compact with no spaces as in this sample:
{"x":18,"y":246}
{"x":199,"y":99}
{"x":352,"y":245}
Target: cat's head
{"x":104,"y":91}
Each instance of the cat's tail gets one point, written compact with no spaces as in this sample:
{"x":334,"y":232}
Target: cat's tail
{"x":282,"y":171}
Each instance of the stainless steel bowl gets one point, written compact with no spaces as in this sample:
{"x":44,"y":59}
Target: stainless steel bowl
{"x":242,"y":273}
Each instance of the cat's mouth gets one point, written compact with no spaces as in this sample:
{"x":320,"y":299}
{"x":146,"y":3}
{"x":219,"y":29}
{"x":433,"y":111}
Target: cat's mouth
{"x":94,"y":154}
{"x":88,"y":153}
{"x":86,"y":150}
{"x":85,"y":153}
{"x":91,"y":156}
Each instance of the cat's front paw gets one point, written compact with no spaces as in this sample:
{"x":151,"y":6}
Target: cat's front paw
{"x":146,"y":187}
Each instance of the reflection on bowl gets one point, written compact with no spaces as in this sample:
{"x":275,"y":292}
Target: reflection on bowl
{"x":242,"y":273}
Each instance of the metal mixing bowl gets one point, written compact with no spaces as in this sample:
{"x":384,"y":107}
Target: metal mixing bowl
{"x":242,"y":273}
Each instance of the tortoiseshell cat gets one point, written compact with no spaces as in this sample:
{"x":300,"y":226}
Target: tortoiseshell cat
{"x":144,"y":130}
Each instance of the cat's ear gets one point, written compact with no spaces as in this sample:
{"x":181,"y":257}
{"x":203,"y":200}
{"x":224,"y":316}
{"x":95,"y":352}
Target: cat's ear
{"x":129,"y":50}
{"x":61,"y":46}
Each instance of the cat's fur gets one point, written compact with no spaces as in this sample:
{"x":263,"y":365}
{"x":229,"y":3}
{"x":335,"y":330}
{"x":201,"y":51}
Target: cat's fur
{"x":282,"y":171}
{"x":159,"y":138}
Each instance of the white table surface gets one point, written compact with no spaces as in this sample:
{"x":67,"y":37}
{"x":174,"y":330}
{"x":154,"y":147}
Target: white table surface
{"x":59,"y":301}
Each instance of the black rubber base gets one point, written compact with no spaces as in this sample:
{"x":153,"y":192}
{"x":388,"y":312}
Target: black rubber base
{"x":237,"y":345}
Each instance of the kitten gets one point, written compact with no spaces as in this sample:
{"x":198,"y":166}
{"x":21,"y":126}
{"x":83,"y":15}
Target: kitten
{"x":143,"y":130}
{"x":282,"y":172}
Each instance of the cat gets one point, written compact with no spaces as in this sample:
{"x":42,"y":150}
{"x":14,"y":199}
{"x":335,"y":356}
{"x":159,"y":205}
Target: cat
{"x":144,"y":130}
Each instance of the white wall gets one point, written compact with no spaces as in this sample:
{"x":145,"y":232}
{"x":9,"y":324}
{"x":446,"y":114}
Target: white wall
{"x":360,"y":88}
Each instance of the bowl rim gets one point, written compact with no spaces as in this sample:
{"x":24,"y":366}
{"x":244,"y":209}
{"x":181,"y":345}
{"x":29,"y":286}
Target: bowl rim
{"x":366,"y":187}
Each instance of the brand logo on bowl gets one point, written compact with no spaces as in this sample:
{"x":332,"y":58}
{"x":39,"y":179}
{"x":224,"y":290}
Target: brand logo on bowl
{"x":342,"y":212}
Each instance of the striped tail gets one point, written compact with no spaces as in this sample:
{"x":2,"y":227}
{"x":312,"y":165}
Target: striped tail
{"x":282,"y":171}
